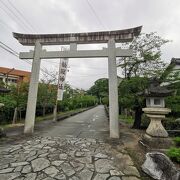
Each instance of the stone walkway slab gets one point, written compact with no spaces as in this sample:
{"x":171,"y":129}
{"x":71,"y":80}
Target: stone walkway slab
{"x":65,"y":158}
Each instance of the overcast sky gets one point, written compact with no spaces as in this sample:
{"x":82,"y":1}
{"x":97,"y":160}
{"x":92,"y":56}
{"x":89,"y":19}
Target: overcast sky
{"x":64,"y":16}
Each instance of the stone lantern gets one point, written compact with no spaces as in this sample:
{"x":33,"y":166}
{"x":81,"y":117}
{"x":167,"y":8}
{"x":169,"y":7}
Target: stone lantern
{"x":156,"y":136}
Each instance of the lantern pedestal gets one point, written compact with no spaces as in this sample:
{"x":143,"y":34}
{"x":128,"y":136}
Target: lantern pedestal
{"x":156,"y":136}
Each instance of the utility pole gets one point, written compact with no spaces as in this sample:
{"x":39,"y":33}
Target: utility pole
{"x":7,"y":74}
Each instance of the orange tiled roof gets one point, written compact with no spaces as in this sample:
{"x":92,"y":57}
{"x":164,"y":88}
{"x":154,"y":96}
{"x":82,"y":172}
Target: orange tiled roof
{"x":15,"y":72}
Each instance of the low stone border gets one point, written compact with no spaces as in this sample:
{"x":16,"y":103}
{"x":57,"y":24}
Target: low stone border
{"x":107,"y":111}
{"x":174,"y":132}
{"x":62,"y":117}
{"x":51,"y":158}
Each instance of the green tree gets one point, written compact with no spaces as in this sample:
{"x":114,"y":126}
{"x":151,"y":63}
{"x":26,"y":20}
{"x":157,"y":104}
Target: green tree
{"x":7,"y":110}
{"x":145,"y":63}
{"x":146,"y":60}
{"x":129,"y":97}
{"x":19,"y":93}
{"x":47,"y":94}
{"x":99,"y":89}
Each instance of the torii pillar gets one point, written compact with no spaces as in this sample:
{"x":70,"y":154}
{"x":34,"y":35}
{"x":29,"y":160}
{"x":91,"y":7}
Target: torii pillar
{"x":113,"y":90}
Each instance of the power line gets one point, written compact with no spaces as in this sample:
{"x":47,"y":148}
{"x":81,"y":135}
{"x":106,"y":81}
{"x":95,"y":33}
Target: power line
{"x":8,"y":50}
{"x":16,"y":54}
{"x":13,"y":52}
{"x":6,"y":25}
{"x":25,"y":27}
{"x":9,"y":47}
{"x":12,"y":17}
{"x":21,"y":15}
{"x":95,"y":14}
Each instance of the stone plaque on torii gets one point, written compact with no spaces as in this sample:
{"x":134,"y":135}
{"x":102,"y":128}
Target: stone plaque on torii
{"x":73,"y":39}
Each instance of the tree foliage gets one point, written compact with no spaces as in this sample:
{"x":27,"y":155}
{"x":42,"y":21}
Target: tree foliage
{"x":129,"y":97}
{"x":146,"y":60}
{"x":99,"y":89}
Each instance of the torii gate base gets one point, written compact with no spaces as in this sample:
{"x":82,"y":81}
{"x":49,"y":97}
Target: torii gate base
{"x":99,"y":37}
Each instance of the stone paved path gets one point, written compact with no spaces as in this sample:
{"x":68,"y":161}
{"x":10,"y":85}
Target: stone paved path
{"x":61,"y":158}
{"x":66,"y":158}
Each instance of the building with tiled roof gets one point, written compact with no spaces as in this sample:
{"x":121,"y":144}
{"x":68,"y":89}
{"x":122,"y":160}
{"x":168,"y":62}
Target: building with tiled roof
{"x":13,"y":76}
{"x":172,"y":72}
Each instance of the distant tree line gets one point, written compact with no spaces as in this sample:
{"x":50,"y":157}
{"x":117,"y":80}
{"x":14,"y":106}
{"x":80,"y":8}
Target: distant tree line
{"x":15,"y":101}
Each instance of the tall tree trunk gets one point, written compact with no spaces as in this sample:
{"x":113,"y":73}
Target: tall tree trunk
{"x":20,"y":114}
{"x":15,"y":116}
{"x":137,"y":121}
{"x":44,"y":111}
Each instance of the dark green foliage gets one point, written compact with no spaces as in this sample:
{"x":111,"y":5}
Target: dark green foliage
{"x":129,"y":97}
{"x":174,"y":154}
{"x":129,"y":89}
{"x":6,"y":112}
{"x":16,"y":98}
{"x":145,"y":121}
{"x":177,"y":141}
{"x":173,"y":102}
{"x":169,"y":123}
{"x":47,"y":93}
{"x":105,"y":100}
{"x":76,"y":103}
{"x":46,"y":97}
{"x":100,"y":89}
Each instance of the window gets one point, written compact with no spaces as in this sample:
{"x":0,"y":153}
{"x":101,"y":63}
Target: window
{"x":14,"y":80}
{"x":157,"y":101}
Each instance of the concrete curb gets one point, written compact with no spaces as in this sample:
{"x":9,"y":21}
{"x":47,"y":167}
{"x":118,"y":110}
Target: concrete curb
{"x":107,"y":111}
{"x":62,"y":117}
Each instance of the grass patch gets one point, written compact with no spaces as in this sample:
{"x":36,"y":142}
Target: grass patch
{"x":5,"y":126}
{"x":174,"y":154}
{"x":39,"y":118}
{"x":126,"y":119}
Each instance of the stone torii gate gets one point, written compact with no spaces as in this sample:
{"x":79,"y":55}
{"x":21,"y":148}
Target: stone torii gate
{"x":72,"y":39}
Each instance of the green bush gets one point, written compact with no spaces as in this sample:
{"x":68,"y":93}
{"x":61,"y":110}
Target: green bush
{"x":168,"y":123}
{"x":173,"y":102}
{"x":105,"y":101}
{"x":177,"y":141}
{"x":174,"y":154}
{"x":7,"y":111}
{"x":126,"y":119}
{"x":171,"y":124}
{"x":145,"y":121}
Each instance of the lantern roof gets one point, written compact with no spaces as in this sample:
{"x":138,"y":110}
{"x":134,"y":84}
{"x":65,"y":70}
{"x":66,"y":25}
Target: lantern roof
{"x":155,"y":90}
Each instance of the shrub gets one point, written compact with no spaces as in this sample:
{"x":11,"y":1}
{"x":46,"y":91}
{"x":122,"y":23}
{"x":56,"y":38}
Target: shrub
{"x":177,"y":141}
{"x":145,"y":121}
{"x":171,"y":124}
{"x":168,"y":123}
{"x":174,"y":154}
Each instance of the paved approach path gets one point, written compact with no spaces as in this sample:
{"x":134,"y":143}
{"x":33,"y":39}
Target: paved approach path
{"x":89,"y":124}
{"x":77,"y":148}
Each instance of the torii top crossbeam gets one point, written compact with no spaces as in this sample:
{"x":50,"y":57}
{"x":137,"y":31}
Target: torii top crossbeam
{"x":119,"y":36}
